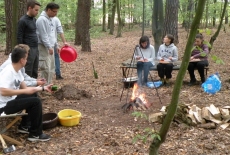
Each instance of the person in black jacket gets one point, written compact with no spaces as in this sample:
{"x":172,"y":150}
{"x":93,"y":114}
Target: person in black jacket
{"x":26,"y":34}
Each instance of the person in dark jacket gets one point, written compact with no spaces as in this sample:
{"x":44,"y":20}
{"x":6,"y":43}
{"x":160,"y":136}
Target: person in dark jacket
{"x":26,"y":34}
{"x":198,"y":59}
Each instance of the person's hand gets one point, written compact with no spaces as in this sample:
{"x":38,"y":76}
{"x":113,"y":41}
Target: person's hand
{"x":48,"y":88}
{"x":58,"y":50}
{"x":170,"y":58}
{"x":138,"y":57}
{"x":145,"y":60}
{"x":51,"y":51}
{"x":66,"y":44}
{"x":41,"y":81}
{"x":191,"y":58}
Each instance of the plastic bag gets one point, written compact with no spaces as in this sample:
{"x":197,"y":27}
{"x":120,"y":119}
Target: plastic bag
{"x":212,"y":84}
{"x":154,"y":84}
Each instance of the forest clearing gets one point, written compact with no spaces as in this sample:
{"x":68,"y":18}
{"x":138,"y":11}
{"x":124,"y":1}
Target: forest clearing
{"x":104,"y":128}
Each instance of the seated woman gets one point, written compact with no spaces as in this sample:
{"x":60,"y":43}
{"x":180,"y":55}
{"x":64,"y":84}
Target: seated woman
{"x":145,"y":55}
{"x":198,"y":59}
{"x":167,"y":53}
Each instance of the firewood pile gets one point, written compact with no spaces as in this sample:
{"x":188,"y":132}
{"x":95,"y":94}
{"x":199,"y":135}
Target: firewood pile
{"x":207,"y":117}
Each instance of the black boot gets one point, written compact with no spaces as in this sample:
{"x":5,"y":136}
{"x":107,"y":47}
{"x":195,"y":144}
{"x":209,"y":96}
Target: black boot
{"x":59,"y":77}
{"x":192,"y":82}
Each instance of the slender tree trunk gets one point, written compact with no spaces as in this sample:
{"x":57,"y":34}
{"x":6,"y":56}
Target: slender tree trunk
{"x":109,"y":13}
{"x":214,"y":15}
{"x":171,"y":19}
{"x":226,"y":16}
{"x":213,"y":38}
{"x":143,"y":19}
{"x":119,"y":19}
{"x":104,"y":16}
{"x":112,"y":17}
{"x":78,"y":23}
{"x":206,"y":16}
{"x":154,"y":147}
{"x":157,"y":23}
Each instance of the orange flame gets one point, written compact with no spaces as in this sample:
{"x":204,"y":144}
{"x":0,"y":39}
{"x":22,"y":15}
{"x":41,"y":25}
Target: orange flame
{"x":136,"y":94}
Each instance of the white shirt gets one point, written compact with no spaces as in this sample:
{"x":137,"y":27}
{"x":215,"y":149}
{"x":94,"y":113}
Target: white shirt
{"x":9,"y":79}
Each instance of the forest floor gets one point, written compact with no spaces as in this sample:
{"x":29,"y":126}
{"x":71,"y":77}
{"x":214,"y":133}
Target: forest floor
{"x":104,"y":128}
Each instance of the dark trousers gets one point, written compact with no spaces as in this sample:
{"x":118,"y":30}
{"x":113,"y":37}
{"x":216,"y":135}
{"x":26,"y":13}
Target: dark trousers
{"x":33,"y":107}
{"x":165,"y":70}
{"x":31,"y":67}
{"x":200,"y":67}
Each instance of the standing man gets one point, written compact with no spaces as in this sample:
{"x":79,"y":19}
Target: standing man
{"x":56,"y":48}
{"x":26,"y":34}
{"x":47,"y":38}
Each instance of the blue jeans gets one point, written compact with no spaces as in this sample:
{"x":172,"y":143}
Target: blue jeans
{"x":57,"y":62}
{"x":143,"y":67}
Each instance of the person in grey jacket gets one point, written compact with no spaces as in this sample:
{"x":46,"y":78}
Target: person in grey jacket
{"x":47,"y":38}
{"x":145,"y":55}
{"x":167,"y":54}
{"x":30,"y":82}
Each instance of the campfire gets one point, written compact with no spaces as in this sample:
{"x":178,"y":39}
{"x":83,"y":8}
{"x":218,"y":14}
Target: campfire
{"x":137,"y":101}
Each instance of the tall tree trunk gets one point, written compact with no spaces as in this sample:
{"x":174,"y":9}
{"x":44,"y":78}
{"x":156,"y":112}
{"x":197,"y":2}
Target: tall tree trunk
{"x":85,"y":35}
{"x":206,"y":16}
{"x":14,"y":9}
{"x":104,"y":15}
{"x":154,"y":147}
{"x":226,"y":16}
{"x":157,"y":23}
{"x":109,"y":13}
{"x":112,"y":17}
{"x":171,"y":19}
{"x":119,"y":19}
{"x":214,"y":15}
{"x":79,"y":21}
{"x":213,"y":38}
{"x":143,"y":18}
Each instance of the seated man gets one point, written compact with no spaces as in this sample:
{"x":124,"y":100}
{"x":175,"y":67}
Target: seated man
{"x":28,"y":80}
{"x":12,"y":84}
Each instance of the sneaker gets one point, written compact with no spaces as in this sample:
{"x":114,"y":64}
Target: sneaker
{"x":43,"y":137}
{"x":59,"y":77}
{"x":192,"y":82}
{"x":23,"y":129}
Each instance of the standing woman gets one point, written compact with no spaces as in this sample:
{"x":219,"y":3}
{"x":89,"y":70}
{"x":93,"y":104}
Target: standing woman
{"x":145,"y":55}
{"x":167,"y":54}
{"x":198,"y":59}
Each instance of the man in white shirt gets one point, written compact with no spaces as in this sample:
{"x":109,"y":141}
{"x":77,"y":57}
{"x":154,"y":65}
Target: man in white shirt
{"x":12,"y":84}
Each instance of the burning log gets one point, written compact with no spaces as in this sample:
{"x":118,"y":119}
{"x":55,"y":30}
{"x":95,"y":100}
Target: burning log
{"x":136,"y":104}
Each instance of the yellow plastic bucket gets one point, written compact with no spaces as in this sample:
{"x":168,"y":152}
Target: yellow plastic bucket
{"x":69,"y":117}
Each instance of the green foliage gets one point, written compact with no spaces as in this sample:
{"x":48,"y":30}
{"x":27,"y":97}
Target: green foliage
{"x":138,"y":114}
{"x":206,"y":31}
{"x":148,"y":134}
{"x":217,"y":60}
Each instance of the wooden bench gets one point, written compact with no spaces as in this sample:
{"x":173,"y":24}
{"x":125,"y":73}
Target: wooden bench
{"x":127,"y":65}
{"x":6,"y":122}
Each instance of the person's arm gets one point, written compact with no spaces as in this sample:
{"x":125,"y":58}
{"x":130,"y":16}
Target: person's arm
{"x":203,"y":52}
{"x":175,"y":54}
{"x":159,"y":54}
{"x":42,"y":33}
{"x":20,"y":31}
{"x":152,"y":57}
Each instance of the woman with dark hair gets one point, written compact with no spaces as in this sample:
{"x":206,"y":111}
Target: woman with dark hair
{"x":145,"y":55}
{"x":167,"y":54}
{"x":198,"y":59}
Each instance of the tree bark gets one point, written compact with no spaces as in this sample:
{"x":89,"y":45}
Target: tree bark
{"x":143,"y":19}
{"x":214,"y":15}
{"x":119,"y":19}
{"x":112,"y":17}
{"x":104,"y":15}
{"x":78,"y":23}
{"x":171,"y":19}
{"x":154,"y":147}
{"x":213,"y":38}
{"x":157,"y":23}
{"x":85,"y":35}
{"x":14,"y":9}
